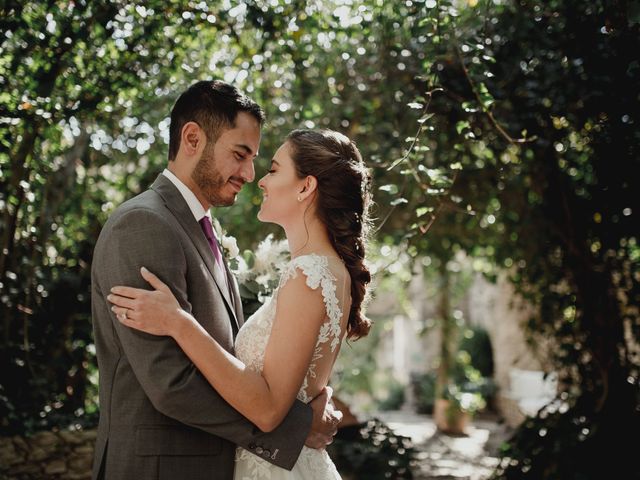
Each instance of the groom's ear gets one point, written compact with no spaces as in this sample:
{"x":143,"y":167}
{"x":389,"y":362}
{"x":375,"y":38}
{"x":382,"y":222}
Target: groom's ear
{"x":192,"y":138}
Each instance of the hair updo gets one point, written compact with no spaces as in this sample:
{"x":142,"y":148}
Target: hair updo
{"x":342,"y":205}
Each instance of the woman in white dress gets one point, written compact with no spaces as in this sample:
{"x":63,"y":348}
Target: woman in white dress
{"x":317,"y":189}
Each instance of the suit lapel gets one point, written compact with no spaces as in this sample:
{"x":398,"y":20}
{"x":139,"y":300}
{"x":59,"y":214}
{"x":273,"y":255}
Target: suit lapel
{"x":180,"y":210}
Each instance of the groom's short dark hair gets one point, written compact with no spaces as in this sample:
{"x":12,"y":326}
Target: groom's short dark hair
{"x":212,"y":104}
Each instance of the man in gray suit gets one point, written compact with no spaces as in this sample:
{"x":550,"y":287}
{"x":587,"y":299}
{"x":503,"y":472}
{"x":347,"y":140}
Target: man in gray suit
{"x":159,"y":418}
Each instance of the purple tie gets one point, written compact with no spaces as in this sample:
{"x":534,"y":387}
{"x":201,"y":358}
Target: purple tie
{"x":205,"y":223}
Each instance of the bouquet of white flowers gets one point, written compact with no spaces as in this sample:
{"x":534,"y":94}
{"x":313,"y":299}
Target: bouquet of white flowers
{"x":258,"y":273}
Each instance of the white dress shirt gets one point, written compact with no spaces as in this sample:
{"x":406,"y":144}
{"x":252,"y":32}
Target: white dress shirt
{"x":194,"y":204}
{"x":198,"y":212}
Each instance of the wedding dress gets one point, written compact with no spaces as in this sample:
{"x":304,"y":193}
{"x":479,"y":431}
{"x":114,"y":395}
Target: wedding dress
{"x":330,"y":275}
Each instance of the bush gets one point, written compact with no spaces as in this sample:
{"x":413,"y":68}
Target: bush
{"x":371,"y":450}
{"x":476,"y":342}
{"x":394,"y":398}
{"x":424,"y":391}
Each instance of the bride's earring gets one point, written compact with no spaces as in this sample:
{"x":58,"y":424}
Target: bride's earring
{"x":299,"y":198}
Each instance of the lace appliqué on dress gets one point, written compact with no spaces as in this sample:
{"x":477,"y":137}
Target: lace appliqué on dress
{"x":311,"y":465}
{"x":250,"y":347}
{"x":316,"y":270}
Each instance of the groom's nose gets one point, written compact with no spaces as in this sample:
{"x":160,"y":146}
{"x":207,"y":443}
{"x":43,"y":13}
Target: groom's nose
{"x":248,"y":171}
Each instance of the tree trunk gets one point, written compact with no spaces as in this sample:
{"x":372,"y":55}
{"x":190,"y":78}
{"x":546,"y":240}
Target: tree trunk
{"x":446,"y":332}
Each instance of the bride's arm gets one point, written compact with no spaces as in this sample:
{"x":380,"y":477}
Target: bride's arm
{"x":263,"y":398}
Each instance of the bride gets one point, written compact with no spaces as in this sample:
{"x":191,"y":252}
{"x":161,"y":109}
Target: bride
{"x":317,"y":190}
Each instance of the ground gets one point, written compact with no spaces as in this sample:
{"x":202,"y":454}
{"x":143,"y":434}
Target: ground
{"x":472,"y":456}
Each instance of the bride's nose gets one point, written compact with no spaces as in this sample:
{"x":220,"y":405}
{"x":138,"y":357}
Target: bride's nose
{"x":261,"y":183}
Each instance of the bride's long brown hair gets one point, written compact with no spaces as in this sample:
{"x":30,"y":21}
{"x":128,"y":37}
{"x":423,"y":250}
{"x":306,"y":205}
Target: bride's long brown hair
{"x":342,"y":205}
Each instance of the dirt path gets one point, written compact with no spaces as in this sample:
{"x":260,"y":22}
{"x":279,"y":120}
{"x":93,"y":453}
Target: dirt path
{"x":443,"y":457}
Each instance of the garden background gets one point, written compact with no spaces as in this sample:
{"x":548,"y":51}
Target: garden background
{"x":503,"y":132}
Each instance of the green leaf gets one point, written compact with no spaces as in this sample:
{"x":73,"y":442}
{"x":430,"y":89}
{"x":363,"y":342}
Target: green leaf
{"x":461,"y":125}
{"x":390,"y":188}
{"x":420,"y":211}
{"x":426,"y":117}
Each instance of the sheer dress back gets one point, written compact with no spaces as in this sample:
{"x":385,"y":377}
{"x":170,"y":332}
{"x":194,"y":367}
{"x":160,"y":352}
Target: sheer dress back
{"x":331,"y":277}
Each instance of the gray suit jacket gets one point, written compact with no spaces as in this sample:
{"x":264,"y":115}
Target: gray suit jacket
{"x":159,"y":417}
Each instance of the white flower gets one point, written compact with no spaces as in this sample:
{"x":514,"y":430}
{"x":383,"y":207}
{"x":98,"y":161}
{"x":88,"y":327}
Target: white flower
{"x":227,"y":242}
{"x":242,"y":271}
{"x":230,"y":245}
{"x":262,"y":277}
{"x":269,"y":255}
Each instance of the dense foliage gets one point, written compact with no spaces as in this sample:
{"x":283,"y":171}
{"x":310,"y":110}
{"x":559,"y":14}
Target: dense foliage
{"x":372,"y":451}
{"x":543,"y":97}
{"x":503,"y":129}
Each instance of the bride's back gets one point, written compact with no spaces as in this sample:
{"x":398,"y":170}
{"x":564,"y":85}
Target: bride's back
{"x":330,"y":277}
{"x":335,"y":284}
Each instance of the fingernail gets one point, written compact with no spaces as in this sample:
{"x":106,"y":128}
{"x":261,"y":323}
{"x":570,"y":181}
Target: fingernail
{"x":142,"y":269}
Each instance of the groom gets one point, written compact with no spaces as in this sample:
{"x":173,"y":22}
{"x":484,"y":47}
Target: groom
{"x":159,"y":418}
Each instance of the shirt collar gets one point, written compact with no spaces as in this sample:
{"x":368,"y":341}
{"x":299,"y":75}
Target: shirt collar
{"x":194,"y":204}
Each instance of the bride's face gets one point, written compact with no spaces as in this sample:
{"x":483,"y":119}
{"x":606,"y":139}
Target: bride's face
{"x":280,"y":188}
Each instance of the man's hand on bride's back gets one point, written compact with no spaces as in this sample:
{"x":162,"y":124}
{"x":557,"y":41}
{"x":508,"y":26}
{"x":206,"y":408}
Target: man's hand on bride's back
{"x":325,"y":420}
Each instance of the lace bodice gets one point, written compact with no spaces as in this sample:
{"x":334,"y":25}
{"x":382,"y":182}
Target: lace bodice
{"x":326,"y":273}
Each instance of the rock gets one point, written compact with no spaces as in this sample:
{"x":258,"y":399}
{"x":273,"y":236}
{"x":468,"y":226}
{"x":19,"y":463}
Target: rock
{"x":32,"y":469}
{"x":67,"y":455}
{"x":72,"y":438}
{"x":55,"y":467}
{"x":38,"y":454}
{"x":20,"y":444}
{"x":76,"y":476}
{"x":89,"y":435}
{"x":84,"y":450}
{"x":8,"y":454}
{"x":80,"y":463}
{"x":44,"y":439}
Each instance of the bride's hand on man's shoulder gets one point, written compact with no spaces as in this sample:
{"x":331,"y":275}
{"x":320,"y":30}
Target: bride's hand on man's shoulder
{"x":156,"y":311}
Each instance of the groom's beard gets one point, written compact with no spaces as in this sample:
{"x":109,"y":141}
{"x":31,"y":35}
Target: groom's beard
{"x":209,"y":180}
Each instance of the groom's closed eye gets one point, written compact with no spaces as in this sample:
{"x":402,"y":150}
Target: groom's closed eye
{"x":242,"y":152}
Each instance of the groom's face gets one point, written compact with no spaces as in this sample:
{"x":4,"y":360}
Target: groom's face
{"x":226,"y":165}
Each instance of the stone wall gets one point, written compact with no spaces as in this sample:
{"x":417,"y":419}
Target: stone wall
{"x":499,"y":309}
{"x":66,"y":455}
{"x":413,"y":344}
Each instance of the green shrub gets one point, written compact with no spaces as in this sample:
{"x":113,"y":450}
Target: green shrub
{"x":424,"y":391}
{"x":372,"y":451}
{"x":395,"y":396}
{"x":476,"y":342}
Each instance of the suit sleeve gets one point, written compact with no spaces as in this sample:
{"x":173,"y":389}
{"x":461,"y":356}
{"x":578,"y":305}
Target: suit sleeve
{"x":175,"y":387}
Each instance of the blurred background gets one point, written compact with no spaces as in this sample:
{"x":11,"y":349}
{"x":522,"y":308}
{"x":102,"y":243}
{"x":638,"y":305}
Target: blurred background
{"x":503,"y":140}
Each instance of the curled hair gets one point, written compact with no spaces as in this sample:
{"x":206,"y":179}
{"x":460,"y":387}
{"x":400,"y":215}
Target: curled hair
{"x":214,"y":106}
{"x":342,"y":205}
